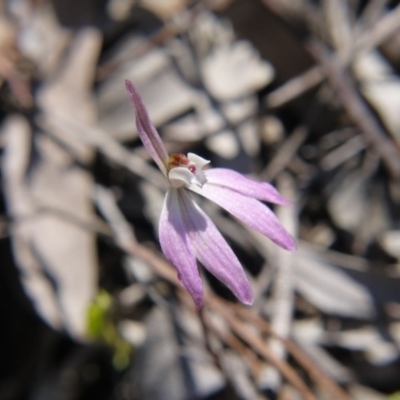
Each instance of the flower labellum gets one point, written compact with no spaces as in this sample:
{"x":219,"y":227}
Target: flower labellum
{"x":186,"y":233}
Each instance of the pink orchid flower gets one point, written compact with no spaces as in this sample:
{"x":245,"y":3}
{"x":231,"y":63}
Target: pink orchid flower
{"x":186,"y":233}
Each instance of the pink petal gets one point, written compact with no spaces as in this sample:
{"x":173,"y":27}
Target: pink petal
{"x":233,"y":180}
{"x":213,"y":252}
{"x":176,"y":246}
{"x":147,"y":132}
{"x":250,"y":211}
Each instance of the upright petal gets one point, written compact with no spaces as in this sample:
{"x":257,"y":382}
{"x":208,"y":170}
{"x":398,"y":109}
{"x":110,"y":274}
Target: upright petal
{"x":147,"y":132}
{"x":175,"y":244}
{"x":250,"y":211}
{"x":233,"y":180}
{"x":213,"y":252}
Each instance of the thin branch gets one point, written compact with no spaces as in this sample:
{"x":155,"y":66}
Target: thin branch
{"x":295,"y":87}
{"x":356,"y":108}
{"x":232,"y":341}
{"x":285,"y":154}
{"x":315,"y":372}
{"x":283,"y":287}
{"x":258,"y":344}
{"x":387,"y":26}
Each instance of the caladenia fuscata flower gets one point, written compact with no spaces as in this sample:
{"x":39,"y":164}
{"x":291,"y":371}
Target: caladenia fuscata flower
{"x":186,"y":233}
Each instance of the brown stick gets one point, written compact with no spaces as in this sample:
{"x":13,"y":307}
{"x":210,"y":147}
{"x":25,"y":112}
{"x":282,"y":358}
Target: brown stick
{"x":356,"y":108}
{"x":258,"y":345}
{"x":315,"y":372}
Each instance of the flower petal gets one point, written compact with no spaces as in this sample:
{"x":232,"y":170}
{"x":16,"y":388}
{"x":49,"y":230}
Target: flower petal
{"x":199,"y":163}
{"x":180,"y":176}
{"x":213,"y":251}
{"x":175,"y":244}
{"x":233,"y":180}
{"x":147,"y":132}
{"x":250,"y":211}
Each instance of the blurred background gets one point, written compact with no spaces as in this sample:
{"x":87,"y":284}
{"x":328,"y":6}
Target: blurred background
{"x":302,"y":93}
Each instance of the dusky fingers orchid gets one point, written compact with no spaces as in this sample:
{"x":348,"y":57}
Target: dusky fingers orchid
{"x":186,"y":233}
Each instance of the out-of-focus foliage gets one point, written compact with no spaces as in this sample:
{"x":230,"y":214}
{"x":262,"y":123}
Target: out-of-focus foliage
{"x":101,"y":327}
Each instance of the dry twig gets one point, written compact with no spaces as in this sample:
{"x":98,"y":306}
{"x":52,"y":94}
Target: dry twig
{"x":356,"y":108}
{"x":387,"y":26}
